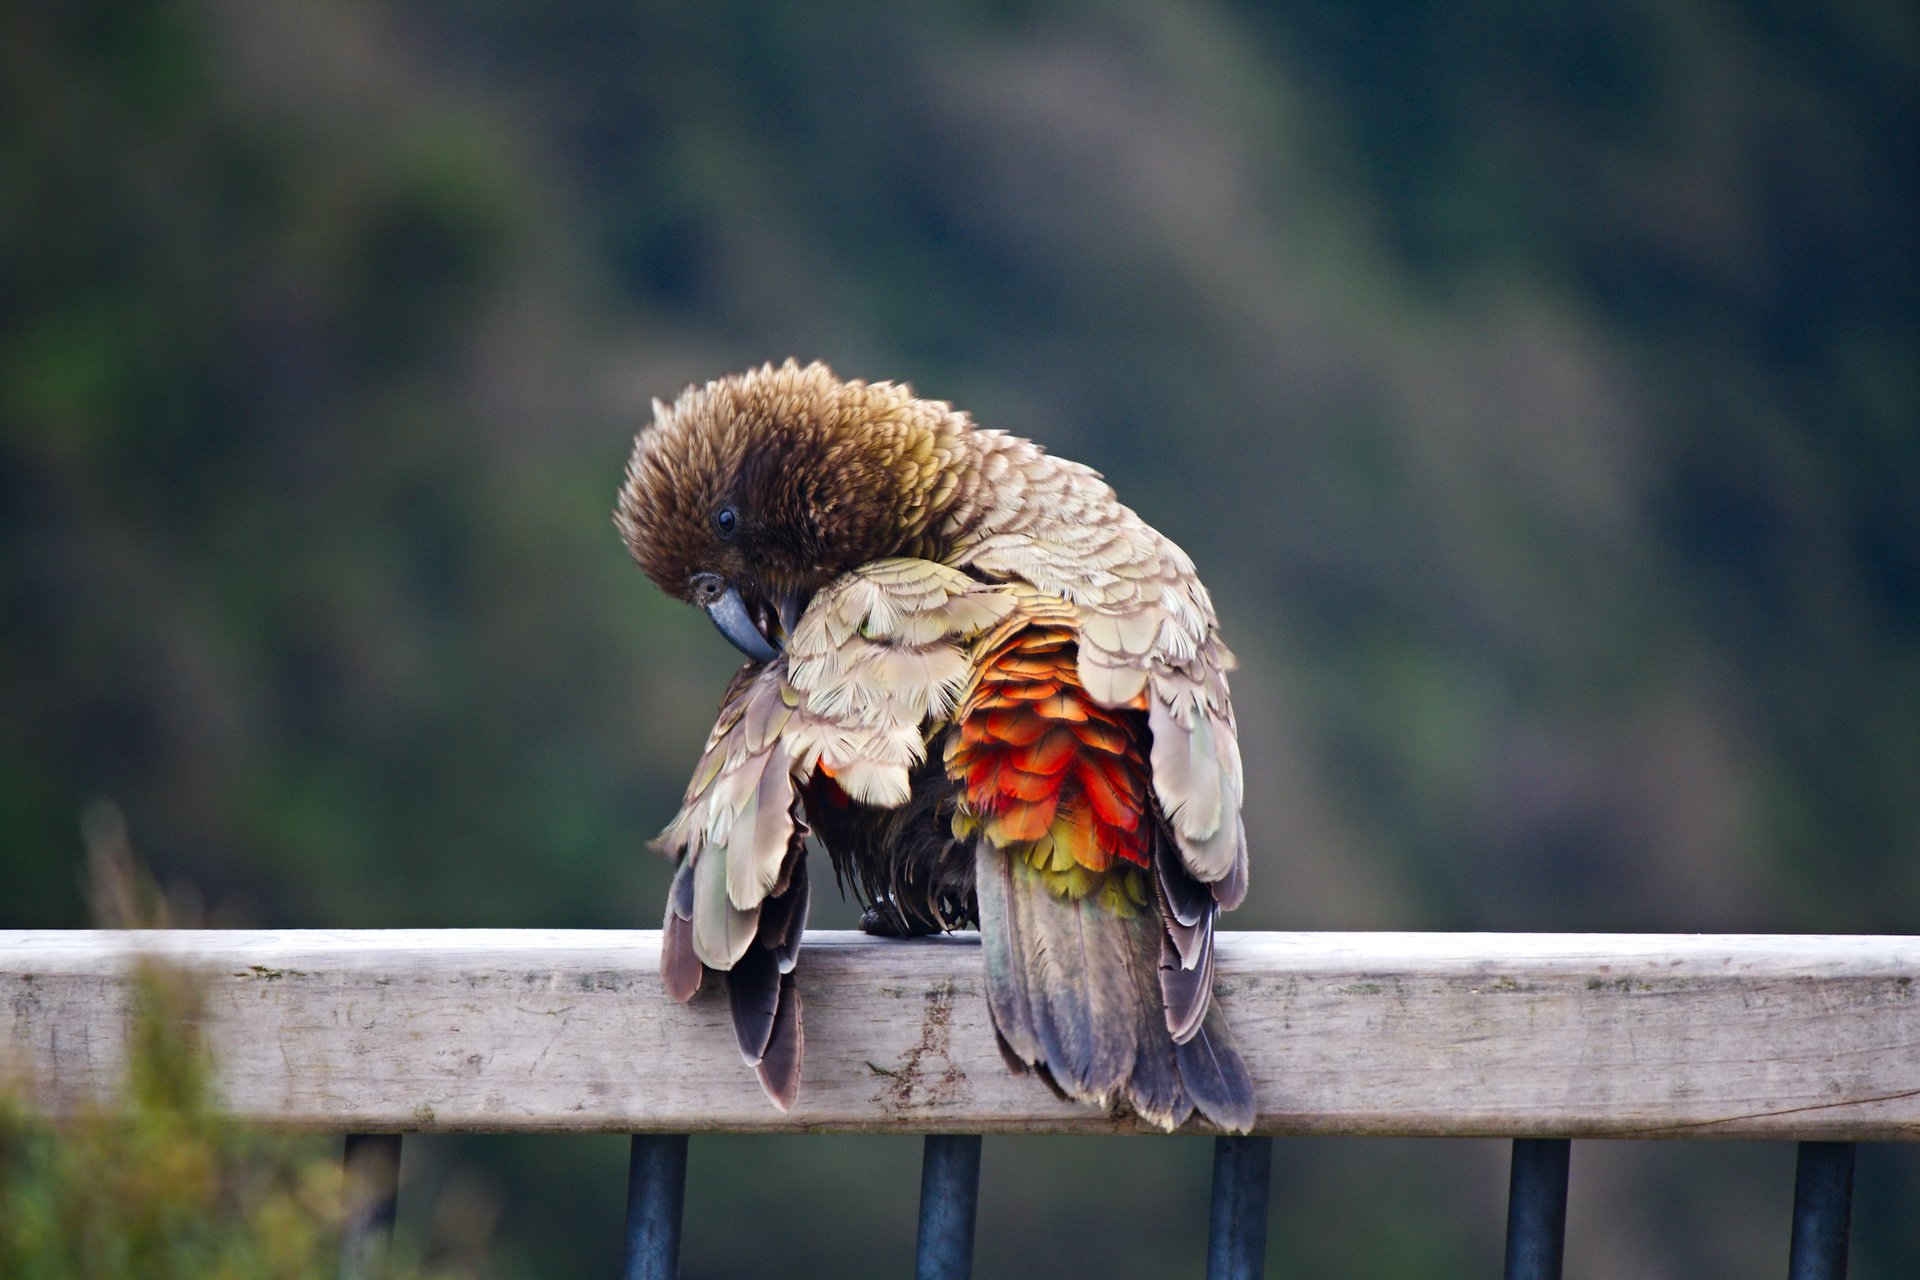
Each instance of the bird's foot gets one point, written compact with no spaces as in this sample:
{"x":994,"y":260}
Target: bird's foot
{"x":883,"y":919}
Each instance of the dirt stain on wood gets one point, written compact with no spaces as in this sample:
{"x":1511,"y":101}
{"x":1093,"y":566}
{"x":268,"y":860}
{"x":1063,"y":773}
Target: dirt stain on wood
{"x":914,"y":1082}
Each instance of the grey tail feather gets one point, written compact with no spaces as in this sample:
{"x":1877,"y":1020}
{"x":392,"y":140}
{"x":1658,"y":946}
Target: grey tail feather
{"x":680,"y":968}
{"x":760,"y":986}
{"x":1015,"y":1063}
{"x":1059,"y":978}
{"x":1183,"y":898}
{"x":1155,"y":1090}
{"x":783,"y":919}
{"x":1186,"y":991}
{"x":1072,"y":988}
{"x":1187,"y":913}
{"x":753,"y":991}
{"x":1056,"y":978}
{"x":1082,"y":1000}
{"x":1215,"y":1076}
{"x":779,"y":1066}
{"x":1004,"y":951}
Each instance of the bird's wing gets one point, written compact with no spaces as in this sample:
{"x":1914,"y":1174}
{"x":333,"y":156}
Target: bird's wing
{"x":878,"y":652}
{"x":1147,"y":632}
{"x":1098,"y":944}
{"x":741,"y":800}
{"x":739,"y":823}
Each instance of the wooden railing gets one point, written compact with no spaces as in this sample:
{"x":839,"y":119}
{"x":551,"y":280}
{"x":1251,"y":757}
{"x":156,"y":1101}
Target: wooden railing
{"x":1537,"y":1037}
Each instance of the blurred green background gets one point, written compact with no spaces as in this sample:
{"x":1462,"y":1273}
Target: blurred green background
{"x":1537,"y":388}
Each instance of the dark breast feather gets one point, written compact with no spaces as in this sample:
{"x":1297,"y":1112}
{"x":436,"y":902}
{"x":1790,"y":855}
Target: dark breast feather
{"x":902,"y":865}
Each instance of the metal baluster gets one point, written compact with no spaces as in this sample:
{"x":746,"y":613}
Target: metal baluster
{"x":949,"y":1202}
{"x":656,"y":1193}
{"x":1822,"y":1211}
{"x":372,"y":1165}
{"x":1537,"y":1208}
{"x":1237,"y":1233}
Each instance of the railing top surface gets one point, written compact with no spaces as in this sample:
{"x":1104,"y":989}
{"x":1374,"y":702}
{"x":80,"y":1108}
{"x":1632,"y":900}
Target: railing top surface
{"x":1310,"y":946}
{"x":1629,"y":1035}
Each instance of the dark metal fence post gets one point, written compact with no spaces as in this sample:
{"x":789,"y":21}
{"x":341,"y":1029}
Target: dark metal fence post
{"x":1237,"y":1233}
{"x":1822,"y":1211}
{"x":1537,"y":1208}
{"x":656,"y":1192}
{"x":372,"y":1165}
{"x":949,"y":1202}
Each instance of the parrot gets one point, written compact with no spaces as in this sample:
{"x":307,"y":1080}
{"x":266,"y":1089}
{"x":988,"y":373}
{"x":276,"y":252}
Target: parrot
{"x":995,"y":696}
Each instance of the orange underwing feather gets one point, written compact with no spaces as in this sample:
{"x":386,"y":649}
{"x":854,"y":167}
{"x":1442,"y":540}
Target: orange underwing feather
{"x":1038,"y":758}
{"x":1049,"y":754}
{"x":1019,"y":785}
{"x":1015,"y":823}
{"x":1103,"y":733}
{"x":1012,"y":728}
{"x":1063,"y":706}
{"x":1114,"y":802}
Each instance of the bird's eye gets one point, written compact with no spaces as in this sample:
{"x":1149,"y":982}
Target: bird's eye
{"x":726,"y":522}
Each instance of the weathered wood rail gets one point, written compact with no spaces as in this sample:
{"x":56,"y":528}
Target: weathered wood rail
{"x":1345,"y":1033}
{"x":1538,"y":1037}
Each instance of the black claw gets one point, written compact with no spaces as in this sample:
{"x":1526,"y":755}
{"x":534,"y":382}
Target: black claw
{"x":882,"y":924}
{"x":885,"y":920}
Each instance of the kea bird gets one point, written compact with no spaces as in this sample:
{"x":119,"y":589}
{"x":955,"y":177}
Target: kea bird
{"x":997,"y":696}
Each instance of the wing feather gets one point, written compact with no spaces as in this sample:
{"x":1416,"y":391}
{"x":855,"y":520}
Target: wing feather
{"x":876,"y":653}
{"x":721,"y":931}
{"x":1148,"y":630}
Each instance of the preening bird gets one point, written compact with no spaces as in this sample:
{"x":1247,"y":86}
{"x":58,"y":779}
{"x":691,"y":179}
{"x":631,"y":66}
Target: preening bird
{"x":996,"y":695}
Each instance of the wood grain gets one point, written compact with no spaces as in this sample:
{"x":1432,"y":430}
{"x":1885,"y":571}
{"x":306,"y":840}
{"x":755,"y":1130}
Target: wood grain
{"x":1345,"y":1033}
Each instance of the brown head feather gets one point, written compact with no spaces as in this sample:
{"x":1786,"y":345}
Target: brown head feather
{"x":824,"y":475}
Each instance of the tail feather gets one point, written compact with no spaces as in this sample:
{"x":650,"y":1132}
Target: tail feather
{"x":753,"y":992}
{"x":1186,"y":992}
{"x":1187,"y":901}
{"x":1187,"y":913}
{"x":760,"y":986}
{"x":680,"y":966}
{"x":1081,"y":994}
{"x":783,"y":919}
{"x":1156,"y":1092}
{"x":1215,"y":1076}
{"x":1084,"y":1020}
{"x":779,"y":1067}
{"x":1059,"y":987}
{"x":1005,"y":951}
{"x":761,"y":993}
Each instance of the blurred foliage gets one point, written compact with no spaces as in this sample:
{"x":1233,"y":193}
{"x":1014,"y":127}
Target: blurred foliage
{"x":162,"y":1190}
{"x":159,"y":1186}
{"x":1536,"y":388}
{"x":156,"y":1184}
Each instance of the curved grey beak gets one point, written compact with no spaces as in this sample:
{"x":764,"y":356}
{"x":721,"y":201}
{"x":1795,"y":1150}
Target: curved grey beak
{"x":729,"y":614}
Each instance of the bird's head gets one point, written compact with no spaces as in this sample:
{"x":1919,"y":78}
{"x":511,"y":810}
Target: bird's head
{"x":749,"y":494}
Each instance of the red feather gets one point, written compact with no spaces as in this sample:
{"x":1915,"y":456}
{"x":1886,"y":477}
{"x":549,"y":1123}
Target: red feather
{"x":1038,"y":755}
